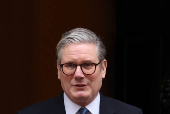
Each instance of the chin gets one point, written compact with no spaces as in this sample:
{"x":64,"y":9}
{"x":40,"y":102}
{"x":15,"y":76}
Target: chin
{"x":81,"y":95}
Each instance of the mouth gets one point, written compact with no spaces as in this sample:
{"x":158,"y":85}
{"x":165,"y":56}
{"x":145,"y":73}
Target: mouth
{"x":80,"y":85}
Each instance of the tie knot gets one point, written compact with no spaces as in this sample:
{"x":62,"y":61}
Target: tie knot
{"x":83,"y":110}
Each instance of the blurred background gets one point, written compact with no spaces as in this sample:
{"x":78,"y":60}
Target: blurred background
{"x":136,"y":35}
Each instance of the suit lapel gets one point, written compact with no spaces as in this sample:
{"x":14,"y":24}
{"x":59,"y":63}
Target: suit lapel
{"x":58,"y":107}
{"x":105,"y":106}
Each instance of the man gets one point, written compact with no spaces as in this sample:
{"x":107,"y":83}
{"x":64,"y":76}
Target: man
{"x":81,"y":68}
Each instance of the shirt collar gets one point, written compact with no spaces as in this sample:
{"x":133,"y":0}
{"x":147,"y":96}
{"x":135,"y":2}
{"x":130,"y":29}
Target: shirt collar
{"x":72,"y":108}
{"x":93,"y":107}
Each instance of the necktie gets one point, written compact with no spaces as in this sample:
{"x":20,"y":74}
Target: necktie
{"x":83,"y":110}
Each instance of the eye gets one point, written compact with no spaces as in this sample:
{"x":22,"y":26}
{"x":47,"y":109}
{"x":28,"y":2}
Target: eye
{"x":69,"y":65}
{"x":87,"y":65}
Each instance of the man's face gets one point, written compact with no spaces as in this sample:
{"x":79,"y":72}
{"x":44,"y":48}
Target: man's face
{"x":79,"y":87}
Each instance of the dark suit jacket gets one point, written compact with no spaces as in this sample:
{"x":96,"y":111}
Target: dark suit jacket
{"x":56,"y":106}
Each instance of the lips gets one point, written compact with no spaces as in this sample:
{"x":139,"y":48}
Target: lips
{"x":80,"y":85}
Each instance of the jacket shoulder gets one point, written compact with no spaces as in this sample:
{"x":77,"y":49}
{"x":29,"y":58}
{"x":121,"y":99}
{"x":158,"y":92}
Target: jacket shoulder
{"x":48,"y":106}
{"x":118,"y":106}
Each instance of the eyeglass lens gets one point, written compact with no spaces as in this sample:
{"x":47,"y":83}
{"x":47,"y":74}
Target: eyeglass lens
{"x":87,"y":68}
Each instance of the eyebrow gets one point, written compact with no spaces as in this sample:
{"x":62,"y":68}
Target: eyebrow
{"x":86,"y":61}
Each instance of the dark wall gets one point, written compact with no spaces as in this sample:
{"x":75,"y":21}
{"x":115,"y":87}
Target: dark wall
{"x":142,"y":52}
{"x":30,"y":31}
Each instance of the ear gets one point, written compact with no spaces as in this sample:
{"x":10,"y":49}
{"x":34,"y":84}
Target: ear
{"x":104,"y":66}
{"x":58,"y":69}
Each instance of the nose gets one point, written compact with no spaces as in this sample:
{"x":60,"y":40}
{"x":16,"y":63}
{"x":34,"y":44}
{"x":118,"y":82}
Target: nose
{"x":78,"y":73}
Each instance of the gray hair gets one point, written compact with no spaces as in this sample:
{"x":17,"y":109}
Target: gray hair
{"x":81,"y":35}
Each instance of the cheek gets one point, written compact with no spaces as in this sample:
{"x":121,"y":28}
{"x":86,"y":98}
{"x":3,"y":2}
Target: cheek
{"x":96,"y":81}
{"x":65,"y":81}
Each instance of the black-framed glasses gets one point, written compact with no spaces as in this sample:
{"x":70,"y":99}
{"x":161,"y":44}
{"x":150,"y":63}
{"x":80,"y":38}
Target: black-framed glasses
{"x":86,"y":68}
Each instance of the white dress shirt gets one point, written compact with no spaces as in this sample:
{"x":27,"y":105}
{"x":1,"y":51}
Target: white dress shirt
{"x":72,"y":108}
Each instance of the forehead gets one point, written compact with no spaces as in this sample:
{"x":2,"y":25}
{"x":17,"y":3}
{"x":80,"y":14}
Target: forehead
{"x":79,"y":52}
